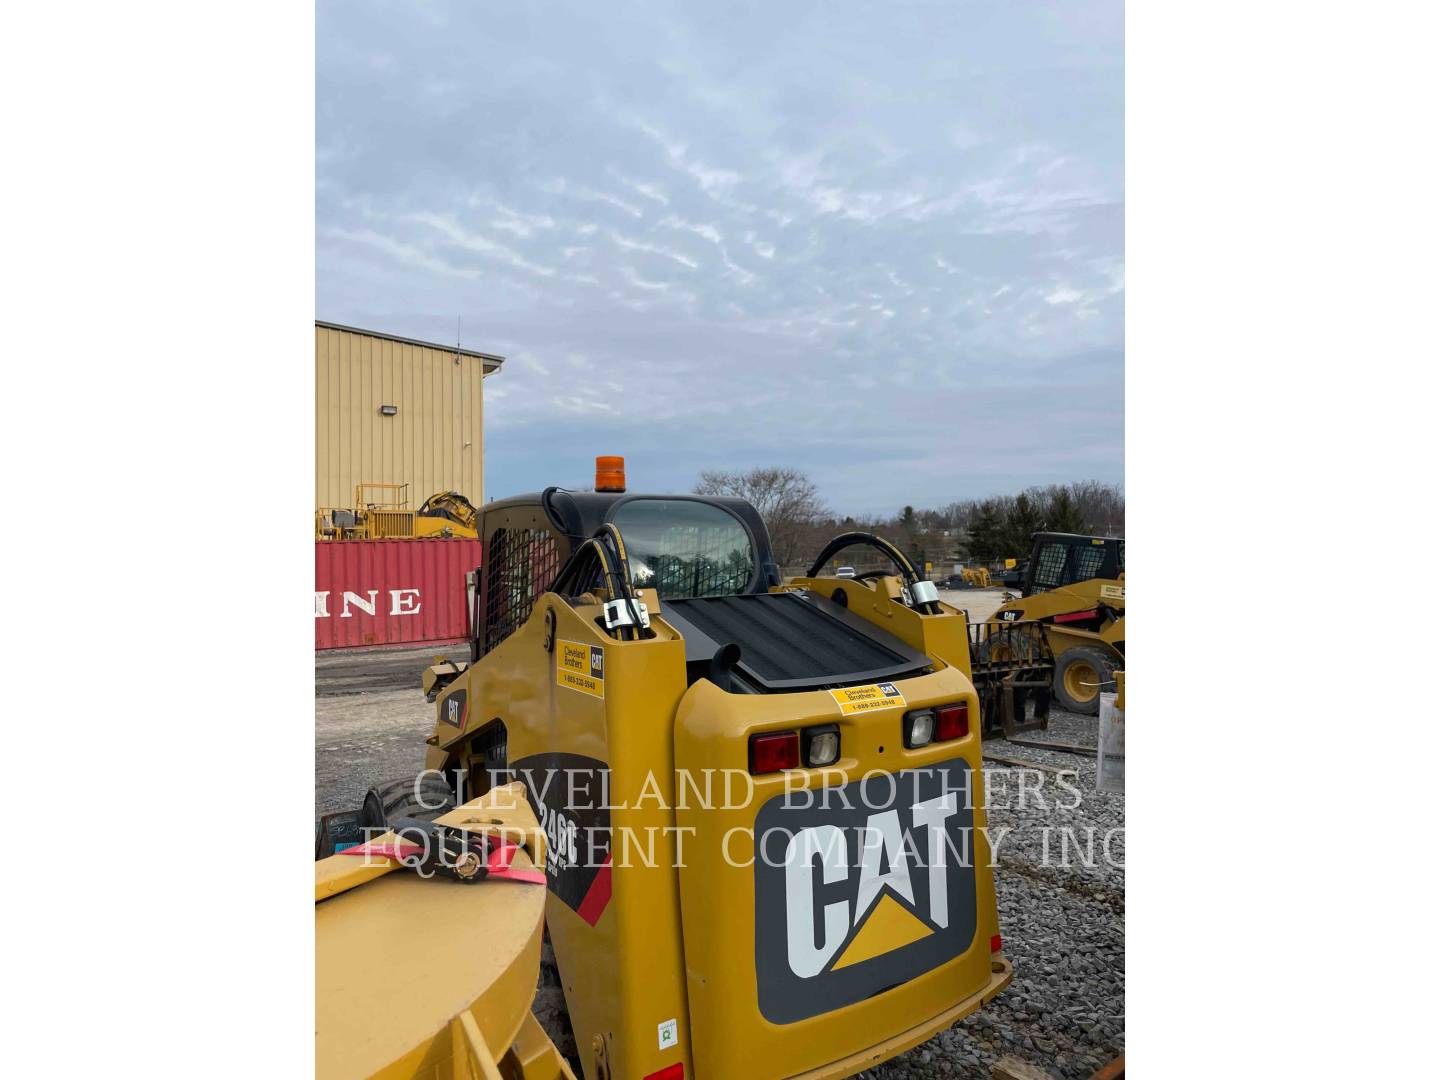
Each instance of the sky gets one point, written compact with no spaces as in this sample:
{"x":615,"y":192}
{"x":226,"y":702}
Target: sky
{"x":880,"y":243}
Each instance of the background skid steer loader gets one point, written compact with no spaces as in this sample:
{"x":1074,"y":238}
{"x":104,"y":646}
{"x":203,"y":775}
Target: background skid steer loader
{"x":763,"y":805}
{"x":1075,"y":588}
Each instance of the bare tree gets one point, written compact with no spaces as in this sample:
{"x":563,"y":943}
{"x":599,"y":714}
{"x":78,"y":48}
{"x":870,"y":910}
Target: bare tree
{"x":785,"y":498}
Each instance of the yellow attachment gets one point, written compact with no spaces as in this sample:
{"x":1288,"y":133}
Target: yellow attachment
{"x":432,"y":977}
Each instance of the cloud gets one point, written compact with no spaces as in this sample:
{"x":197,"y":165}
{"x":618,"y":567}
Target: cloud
{"x":629,"y":244}
{"x":771,"y":233}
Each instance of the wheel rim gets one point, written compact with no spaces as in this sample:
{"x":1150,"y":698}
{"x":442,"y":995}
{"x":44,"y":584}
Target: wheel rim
{"x":1077,"y":676}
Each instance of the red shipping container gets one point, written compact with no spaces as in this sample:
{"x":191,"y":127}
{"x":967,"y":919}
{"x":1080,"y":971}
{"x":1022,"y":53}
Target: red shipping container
{"x":391,"y":592}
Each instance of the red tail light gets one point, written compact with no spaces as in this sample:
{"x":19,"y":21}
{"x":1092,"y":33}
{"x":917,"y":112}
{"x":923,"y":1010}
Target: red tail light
{"x":952,"y":721}
{"x":669,"y":1072}
{"x":774,"y":751}
{"x":995,"y":943}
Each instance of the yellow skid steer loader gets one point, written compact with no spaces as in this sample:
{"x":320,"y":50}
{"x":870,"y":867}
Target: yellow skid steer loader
{"x":766,"y":852}
{"x":1074,"y":587}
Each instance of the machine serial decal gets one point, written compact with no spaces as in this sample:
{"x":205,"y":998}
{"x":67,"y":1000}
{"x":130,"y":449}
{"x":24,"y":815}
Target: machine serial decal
{"x":569,"y":794}
{"x":858,"y":699}
{"x":865,"y":893}
{"x":581,"y":667}
{"x":1112,"y":592}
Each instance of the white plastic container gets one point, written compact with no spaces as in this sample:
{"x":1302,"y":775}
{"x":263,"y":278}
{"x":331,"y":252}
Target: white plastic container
{"x":1110,"y":771}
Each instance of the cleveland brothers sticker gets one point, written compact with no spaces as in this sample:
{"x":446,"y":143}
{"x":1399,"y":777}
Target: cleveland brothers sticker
{"x":580,"y":667}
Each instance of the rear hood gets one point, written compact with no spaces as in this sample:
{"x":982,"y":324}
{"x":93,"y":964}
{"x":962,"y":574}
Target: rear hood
{"x":823,"y":921}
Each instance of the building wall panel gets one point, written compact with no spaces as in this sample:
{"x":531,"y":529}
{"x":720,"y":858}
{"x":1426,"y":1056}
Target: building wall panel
{"x":416,"y":589}
{"x":434,"y":441}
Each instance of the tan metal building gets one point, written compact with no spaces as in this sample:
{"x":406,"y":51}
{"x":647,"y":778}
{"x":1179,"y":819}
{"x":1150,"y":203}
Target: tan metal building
{"x":393,"y":410}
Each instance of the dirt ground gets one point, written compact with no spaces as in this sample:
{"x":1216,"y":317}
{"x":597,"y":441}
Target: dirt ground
{"x":979,"y":603}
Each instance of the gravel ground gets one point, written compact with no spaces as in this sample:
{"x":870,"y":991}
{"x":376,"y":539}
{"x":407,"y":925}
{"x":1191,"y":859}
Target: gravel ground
{"x":1063,"y":925}
{"x":371,"y":719}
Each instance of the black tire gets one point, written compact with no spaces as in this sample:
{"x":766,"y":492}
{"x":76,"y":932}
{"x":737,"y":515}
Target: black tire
{"x":1088,"y":664}
{"x":394,"y":799}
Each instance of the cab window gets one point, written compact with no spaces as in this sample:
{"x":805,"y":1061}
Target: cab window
{"x":681,"y":548}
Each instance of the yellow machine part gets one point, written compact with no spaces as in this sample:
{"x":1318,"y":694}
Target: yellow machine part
{"x":443,"y":527}
{"x":641,"y":962}
{"x":392,"y":521}
{"x":977,"y":576}
{"x":432,"y":978}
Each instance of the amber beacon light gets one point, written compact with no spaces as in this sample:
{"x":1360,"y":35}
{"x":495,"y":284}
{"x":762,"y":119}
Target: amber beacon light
{"x":610,"y":474}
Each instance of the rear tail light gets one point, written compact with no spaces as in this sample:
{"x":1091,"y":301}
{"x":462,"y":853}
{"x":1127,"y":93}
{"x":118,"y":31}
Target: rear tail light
{"x":952,"y":722}
{"x":669,"y":1072}
{"x":822,"y":745}
{"x":919,"y":728}
{"x":940,"y":724}
{"x":995,"y":943}
{"x":775,"y":751}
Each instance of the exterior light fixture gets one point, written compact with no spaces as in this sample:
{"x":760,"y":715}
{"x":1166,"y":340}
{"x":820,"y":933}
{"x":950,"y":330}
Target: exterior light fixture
{"x":389,"y":410}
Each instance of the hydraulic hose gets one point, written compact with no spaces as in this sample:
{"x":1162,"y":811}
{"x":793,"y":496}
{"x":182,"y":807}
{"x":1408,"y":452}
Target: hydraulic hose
{"x":908,"y":574}
{"x":607,"y":549}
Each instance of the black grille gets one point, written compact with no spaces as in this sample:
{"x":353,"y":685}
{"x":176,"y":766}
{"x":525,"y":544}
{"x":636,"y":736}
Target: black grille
{"x":522,"y":563}
{"x":793,"y":640}
{"x":1089,"y":560}
{"x":1050,"y":566}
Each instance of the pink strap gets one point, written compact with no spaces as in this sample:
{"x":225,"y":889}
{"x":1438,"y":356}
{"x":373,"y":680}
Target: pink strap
{"x":502,"y":854}
{"x":389,"y":851}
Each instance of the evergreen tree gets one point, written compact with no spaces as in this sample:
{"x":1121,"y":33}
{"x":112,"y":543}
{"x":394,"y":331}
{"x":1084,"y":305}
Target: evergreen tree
{"x":1063,"y":514}
{"x":985,"y":531}
{"x":910,"y":524}
{"x":1022,"y":520}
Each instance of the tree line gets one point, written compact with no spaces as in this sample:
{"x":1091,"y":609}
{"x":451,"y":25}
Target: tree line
{"x":974,"y":531}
